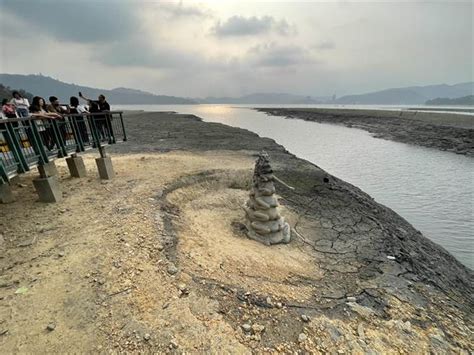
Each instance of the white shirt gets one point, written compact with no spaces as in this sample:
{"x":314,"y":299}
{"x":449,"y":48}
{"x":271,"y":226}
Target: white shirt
{"x":81,"y":109}
{"x":20,"y":103}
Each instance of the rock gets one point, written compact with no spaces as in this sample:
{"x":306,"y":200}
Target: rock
{"x":172,"y":269}
{"x":173,"y":344}
{"x":61,"y":254}
{"x":351,"y":299}
{"x":183,"y":289}
{"x":258,"y":328}
{"x":302,"y":337}
{"x":305,"y":318}
{"x":28,"y":242}
{"x":247,"y":328}
{"x":365,"y":312}
{"x":279,"y":305}
{"x":51,"y":327}
{"x":360,"y":331}
{"x":146,"y":337}
{"x":334,"y":333}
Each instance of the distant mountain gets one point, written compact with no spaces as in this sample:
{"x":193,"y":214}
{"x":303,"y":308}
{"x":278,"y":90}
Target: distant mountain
{"x":417,"y":95}
{"x":461,"y":101}
{"x":6,"y":93}
{"x":45,"y":86}
{"x":264,"y":98}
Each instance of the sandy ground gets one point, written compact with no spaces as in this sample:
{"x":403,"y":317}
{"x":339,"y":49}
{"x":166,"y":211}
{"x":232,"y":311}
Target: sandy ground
{"x":156,"y":261}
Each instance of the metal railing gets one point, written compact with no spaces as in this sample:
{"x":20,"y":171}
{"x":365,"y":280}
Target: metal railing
{"x":31,"y":141}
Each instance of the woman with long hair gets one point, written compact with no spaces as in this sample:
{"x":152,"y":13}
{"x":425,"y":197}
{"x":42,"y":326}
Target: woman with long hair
{"x":38,"y":110}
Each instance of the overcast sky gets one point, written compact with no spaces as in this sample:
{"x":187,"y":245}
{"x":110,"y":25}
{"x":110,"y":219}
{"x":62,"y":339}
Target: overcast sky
{"x":220,"y":48}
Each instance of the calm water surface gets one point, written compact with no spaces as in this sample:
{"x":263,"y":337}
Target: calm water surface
{"x":433,"y":190}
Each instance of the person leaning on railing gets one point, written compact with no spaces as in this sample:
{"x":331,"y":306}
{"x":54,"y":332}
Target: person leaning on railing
{"x":55,"y":107}
{"x":8,"y":109}
{"x":76,"y":109}
{"x":38,"y":110}
{"x":21,"y":104}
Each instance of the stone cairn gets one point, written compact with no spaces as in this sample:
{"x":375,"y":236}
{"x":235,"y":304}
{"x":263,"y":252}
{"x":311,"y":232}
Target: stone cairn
{"x":264,"y":223}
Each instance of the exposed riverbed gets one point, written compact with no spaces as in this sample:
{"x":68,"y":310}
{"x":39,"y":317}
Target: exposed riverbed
{"x":432,"y":189}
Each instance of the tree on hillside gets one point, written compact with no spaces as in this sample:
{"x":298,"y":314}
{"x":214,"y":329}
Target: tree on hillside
{"x":6,"y":93}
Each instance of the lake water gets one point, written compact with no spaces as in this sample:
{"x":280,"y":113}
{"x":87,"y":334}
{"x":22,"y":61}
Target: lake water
{"x":433,"y":190}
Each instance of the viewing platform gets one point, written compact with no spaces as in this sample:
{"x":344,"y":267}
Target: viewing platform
{"x":26,"y":143}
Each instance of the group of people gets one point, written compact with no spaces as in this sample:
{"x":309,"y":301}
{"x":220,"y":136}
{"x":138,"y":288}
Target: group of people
{"x":19,"y":107}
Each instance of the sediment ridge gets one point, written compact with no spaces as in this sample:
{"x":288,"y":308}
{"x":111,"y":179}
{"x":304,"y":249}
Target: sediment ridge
{"x":157,"y":260}
{"x":444,"y":131}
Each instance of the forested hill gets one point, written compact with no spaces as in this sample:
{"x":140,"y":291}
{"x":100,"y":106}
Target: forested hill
{"x":46,"y":86}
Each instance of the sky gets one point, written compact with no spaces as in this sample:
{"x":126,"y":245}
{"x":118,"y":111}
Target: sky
{"x":233,"y":48}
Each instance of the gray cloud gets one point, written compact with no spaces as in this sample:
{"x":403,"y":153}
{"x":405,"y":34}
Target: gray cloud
{"x":325,"y":45}
{"x":179,"y":10}
{"x":274,"y":55}
{"x":81,"y":22}
{"x":138,"y":52}
{"x":248,"y":26}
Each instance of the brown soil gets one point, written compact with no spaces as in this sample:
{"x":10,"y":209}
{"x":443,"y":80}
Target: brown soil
{"x":98,"y":266}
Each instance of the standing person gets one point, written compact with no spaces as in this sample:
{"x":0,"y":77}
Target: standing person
{"x":55,"y":107}
{"x":38,"y":110}
{"x":77,"y":109}
{"x":102,"y":122}
{"x":21,"y":104}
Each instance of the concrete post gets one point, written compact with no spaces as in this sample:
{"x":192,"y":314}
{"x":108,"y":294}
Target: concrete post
{"x":6,"y":194}
{"x":48,"y":169}
{"x":76,"y":166}
{"x":105,"y":167}
{"x":48,"y":189}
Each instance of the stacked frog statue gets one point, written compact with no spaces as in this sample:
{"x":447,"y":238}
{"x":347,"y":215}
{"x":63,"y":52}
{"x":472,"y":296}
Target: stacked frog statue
{"x":264,"y":222}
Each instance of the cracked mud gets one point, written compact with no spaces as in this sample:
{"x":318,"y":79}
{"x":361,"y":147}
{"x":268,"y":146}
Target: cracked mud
{"x":176,"y":273}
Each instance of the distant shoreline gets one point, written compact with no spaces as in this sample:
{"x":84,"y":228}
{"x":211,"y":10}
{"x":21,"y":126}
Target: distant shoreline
{"x":443,"y":131}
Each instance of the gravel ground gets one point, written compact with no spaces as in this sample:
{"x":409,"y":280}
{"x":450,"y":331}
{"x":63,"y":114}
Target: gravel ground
{"x":156,"y":260}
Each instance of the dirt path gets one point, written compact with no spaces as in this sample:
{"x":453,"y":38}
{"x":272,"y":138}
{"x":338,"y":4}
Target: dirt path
{"x":156,"y":259}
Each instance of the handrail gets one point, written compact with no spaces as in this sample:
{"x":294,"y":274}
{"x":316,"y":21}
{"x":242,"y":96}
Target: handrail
{"x":31,"y":117}
{"x":30,"y":141}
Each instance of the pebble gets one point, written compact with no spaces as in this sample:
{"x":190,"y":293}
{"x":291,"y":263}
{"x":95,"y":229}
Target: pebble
{"x":279,"y":305}
{"x":302,"y":337}
{"x":183,"y":289}
{"x":172,"y":269}
{"x":147,"y":337}
{"x":173,"y":344}
{"x":246,"y":327}
{"x":61,"y":254}
{"x":257,"y":328}
{"x":360,"y":331}
{"x":51,"y":327}
{"x":351,"y":299}
{"x":305,"y":318}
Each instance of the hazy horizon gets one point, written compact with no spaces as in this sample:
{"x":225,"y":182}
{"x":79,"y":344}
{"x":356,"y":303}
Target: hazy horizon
{"x":209,"y":48}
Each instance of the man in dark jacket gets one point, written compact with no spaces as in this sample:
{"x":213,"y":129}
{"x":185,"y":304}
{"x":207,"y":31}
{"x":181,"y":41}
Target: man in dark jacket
{"x":103,"y":123}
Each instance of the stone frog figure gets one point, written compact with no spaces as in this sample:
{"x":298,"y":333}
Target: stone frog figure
{"x":264,"y":223}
